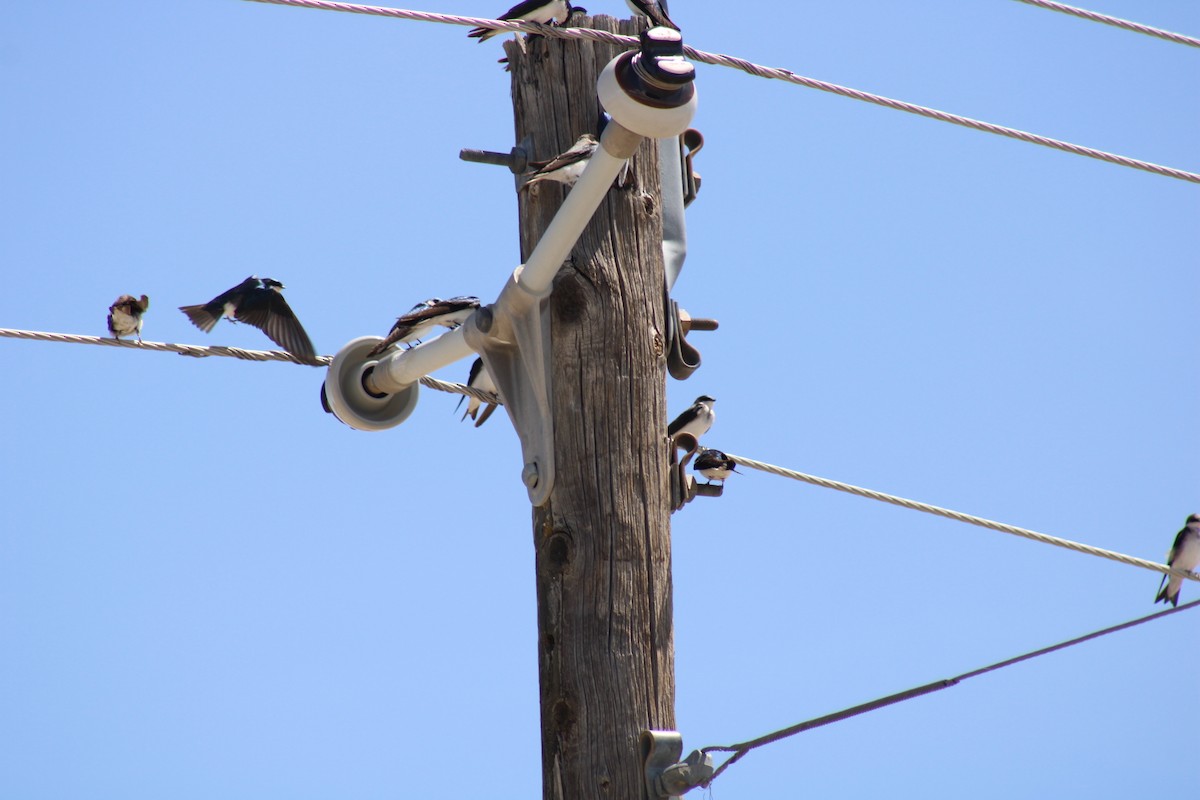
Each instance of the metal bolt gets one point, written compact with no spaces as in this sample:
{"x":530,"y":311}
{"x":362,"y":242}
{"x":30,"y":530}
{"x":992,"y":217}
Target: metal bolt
{"x":530,"y":475}
{"x":484,"y":319}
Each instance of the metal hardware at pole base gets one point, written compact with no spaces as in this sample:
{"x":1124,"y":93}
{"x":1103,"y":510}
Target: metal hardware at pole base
{"x":666,"y":776}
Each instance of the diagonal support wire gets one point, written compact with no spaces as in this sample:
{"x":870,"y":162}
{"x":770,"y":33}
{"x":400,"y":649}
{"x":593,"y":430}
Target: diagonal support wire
{"x":742,"y":748}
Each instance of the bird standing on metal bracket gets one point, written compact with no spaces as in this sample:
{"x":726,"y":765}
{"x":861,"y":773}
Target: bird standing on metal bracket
{"x":696,"y":420}
{"x":258,"y":302}
{"x":480,"y":379}
{"x":656,"y":11}
{"x":125,"y":316}
{"x":543,"y":11}
{"x":714,"y":465}
{"x":426,"y":316}
{"x":1185,"y":554}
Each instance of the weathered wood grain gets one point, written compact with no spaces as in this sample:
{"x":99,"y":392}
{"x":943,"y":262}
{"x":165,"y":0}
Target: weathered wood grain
{"x":606,"y":644}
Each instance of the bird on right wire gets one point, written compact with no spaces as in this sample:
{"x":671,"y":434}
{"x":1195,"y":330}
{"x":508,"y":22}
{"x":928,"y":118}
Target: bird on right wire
{"x":479,"y":378}
{"x":125,"y":316}
{"x":695,"y":420}
{"x":714,"y":465}
{"x":656,"y":11}
{"x":1185,"y":554}
{"x":547,"y":12}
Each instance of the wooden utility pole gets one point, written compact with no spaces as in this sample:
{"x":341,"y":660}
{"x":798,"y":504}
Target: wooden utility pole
{"x":606,"y":643}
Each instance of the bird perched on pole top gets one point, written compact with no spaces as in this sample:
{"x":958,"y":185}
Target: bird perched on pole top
{"x":424,"y":317}
{"x":714,"y":465}
{"x":656,"y":11}
{"x":543,"y":11}
{"x":479,"y":378}
{"x":258,"y":302}
{"x":695,"y":420}
{"x":1185,"y":554}
{"x":125,"y":316}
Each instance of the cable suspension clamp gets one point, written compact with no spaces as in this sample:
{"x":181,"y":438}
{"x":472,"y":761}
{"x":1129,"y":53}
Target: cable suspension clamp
{"x":684,"y":487}
{"x":667,"y":776}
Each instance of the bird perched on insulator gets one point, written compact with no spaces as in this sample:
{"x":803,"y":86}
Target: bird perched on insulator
{"x":125,"y":316}
{"x":424,"y":317}
{"x":1184,"y":554}
{"x":258,"y":302}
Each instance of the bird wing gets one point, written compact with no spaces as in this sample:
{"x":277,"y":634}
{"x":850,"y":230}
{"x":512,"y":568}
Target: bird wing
{"x":583,"y":148}
{"x":680,"y":421}
{"x":1176,"y":546}
{"x":267,"y":310}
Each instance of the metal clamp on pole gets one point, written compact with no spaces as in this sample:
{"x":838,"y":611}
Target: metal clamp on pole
{"x":666,"y":776}
{"x":685,"y":487}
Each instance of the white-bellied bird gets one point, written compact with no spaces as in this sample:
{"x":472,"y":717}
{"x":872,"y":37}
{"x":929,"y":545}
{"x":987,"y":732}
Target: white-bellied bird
{"x":695,"y":420}
{"x":424,"y":317}
{"x":543,"y":11}
{"x":714,"y":465}
{"x":566,"y":167}
{"x":656,"y":11}
{"x":1185,"y":554}
{"x":258,"y":302}
{"x":479,"y":378}
{"x":125,"y":316}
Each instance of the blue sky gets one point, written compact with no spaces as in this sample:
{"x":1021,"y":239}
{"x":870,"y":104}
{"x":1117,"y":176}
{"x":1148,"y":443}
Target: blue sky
{"x":209,"y":588}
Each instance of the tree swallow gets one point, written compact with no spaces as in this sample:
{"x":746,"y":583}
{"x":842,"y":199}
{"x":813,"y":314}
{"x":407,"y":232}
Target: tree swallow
{"x":566,"y":167}
{"x":125,"y":316}
{"x":696,"y":420}
{"x":258,"y":302}
{"x":714,"y":465}
{"x":480,"y":379}
{"x":1185,"y":554}
{"x":656,"y":11}
{"x":424,"y":317}
{"x":543,"y":11}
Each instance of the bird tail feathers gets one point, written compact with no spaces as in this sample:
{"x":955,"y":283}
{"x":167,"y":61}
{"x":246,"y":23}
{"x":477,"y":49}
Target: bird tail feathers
{"x":200,"y":316}
{"x":1168,"y":591}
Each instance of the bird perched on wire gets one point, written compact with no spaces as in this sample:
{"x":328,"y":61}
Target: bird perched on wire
{"x":695,"y":420}
{"x":543,"y":11}
{"x":125,"y":316}
{"x":1185,"y":554}
{"x":258,"y":302}
{"x":656,"y":11}
{"x":566,"y":167}
{"x":714,"y":465}
{"x":424,"y":317}
{"x":479,"y":378}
